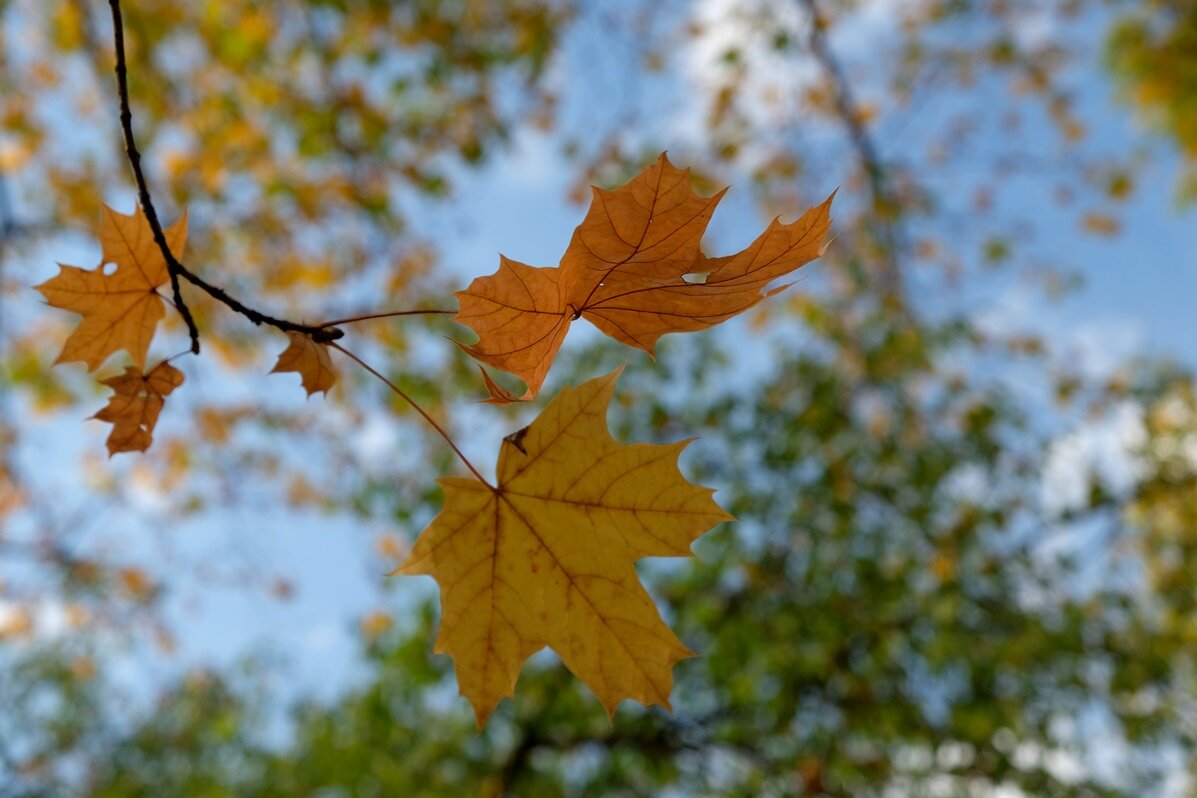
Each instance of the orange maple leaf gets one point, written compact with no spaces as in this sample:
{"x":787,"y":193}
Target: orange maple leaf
{"x":310,"y":360}
{"x":547,"y":557}
{"x":120,"y":310}
{"x":635,"y":268}
{"x":135,"y":404}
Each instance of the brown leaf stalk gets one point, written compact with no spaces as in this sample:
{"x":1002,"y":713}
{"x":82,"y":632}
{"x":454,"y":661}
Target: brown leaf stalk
{"x":415,"y":406}
{"x":386,"y":315}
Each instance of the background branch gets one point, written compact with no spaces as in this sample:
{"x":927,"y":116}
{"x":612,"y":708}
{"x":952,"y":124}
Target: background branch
{"x":886,"y":203}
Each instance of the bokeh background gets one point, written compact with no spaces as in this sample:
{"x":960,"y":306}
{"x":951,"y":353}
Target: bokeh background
{"x":962,"y":449}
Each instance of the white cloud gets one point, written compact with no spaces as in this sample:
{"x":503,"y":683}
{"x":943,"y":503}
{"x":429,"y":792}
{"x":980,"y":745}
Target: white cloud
{"x":375,"y":441}
{"x":1106,"y":452}
{"x":773,"y":79}
{"x":1100,"y":347}
{"x":727,"y":26}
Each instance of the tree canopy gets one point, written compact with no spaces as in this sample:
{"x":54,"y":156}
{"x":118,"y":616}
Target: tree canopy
{"x":908,"y":601}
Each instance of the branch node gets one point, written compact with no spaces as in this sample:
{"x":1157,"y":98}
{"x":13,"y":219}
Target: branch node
{"x":328,"y":335}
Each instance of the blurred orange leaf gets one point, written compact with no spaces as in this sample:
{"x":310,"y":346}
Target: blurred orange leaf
{"x":1101,"y":224}
{"x":375,"y":625}
{"x":136,"y":583}
{"x":15,"y":622}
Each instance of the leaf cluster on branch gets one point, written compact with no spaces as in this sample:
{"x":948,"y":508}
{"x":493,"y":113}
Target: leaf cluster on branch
{"x":544,"y":557}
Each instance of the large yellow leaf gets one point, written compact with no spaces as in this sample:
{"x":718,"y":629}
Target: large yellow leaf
{"x":547,"y":557}
{"x":635,"y":268}
{"x":122,"y":309}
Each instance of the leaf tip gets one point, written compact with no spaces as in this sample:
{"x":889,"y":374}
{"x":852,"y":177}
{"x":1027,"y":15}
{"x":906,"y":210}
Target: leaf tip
{"x":406,"y":568}
{"x":826,"y":245}
{"x":481,"y":714}
{"x":499,"y":396}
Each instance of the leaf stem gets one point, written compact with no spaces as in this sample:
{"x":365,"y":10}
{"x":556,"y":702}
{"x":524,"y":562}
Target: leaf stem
{"x":389,"y":314}
{"x":172,"y":357}
{"x":415,"y":406}
{"x":176,"y":269}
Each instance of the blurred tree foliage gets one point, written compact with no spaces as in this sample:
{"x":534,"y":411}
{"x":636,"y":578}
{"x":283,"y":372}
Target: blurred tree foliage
{"x":898,"y":611}
{"x":892,"y":612}
{"x":1153,"y":53}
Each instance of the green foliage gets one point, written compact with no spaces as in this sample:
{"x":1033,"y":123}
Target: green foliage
{"x":1153,"y":53}
{"x":872,"y":623}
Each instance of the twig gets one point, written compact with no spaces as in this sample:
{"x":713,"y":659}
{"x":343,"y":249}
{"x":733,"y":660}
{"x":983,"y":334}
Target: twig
{"x":325,"y":333}
{"x":176,"y":269}
{"x":143,"y":191}
{"x":403,"y":395}
{"x":387,"y":315}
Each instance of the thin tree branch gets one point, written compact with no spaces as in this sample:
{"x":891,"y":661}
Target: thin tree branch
{"x":143,"y":191}
{"x":176,"y":269}
{"x":8,"y":437}
{"x":885,"y":200}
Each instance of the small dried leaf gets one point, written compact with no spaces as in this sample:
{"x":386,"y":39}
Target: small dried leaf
{"x":308,"y":359}
{"x":135,"y":405}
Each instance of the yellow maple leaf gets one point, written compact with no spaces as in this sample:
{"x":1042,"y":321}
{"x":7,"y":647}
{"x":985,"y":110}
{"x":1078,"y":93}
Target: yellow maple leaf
{"x":122,"y":309}
{"x":634,"y":268}
{"x":547,"y":557}
{"x":135,"y":404}
{"x":308,"y":359}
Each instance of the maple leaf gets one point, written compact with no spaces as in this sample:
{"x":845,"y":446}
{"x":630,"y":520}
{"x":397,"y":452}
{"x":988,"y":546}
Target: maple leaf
{"x":135,"y":404}
{"x":120,"y":310}
{"x":308,"y":359}
{"x":636,"y":270}
{"x":547,"y":557}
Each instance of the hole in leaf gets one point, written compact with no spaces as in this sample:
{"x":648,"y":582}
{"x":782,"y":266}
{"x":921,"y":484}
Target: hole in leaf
{"x":109,"y":269}
{"x":697,"y":278}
